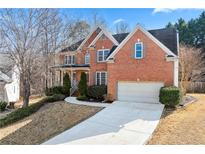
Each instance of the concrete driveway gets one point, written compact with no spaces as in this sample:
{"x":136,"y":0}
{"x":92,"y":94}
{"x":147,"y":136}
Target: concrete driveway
{"x":119,"y":123}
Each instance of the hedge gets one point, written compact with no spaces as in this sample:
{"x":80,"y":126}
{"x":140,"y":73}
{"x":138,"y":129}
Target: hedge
{"x":3,"y":105}
{"x":24,"y":112}
{"x":170,"y":96}
{"x":66,"y":84}
{"x":82,"y":86}
{"x":83,"y":98}
{"x":54,"y":90}
{"x":97,"y":92}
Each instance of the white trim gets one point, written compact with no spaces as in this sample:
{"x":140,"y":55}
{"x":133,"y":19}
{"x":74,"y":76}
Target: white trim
{"x":96,"y":38}
{"x":102,"y":30}
{"x":89,"y":35}
{"x":163,"y":47}
{"x":104,"y":60}
{"x":106,"y":34}
{"x":142,"y":54}
{"x":100,"y":77}
{"x":177,"y":43}
{"x":5,"y":77}
{"x":176,"y":64}
{"x":176,"y":73}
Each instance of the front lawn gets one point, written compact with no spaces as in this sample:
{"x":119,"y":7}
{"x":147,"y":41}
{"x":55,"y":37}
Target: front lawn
{"x":47,"y":122}
{"x":182,"y":126}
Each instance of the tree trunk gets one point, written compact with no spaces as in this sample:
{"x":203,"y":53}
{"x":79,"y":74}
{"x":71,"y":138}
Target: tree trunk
{"x":26,"y":93}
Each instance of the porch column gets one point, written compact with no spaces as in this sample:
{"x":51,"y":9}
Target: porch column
{"x":62,"y":74}
{"x":71,"y":77}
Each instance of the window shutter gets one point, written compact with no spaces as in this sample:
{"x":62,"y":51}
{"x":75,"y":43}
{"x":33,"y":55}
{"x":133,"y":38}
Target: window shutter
{"x":144,"y":50}
{"x":96,"y":59}
{"x":65,"y":59}
{"x":73,"y":59}
{"x":133,"y":51}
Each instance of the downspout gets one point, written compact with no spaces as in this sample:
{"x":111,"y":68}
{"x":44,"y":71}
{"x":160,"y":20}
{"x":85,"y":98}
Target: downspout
{"x":176,"y":64}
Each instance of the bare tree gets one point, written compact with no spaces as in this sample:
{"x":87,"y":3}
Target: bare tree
{"x":191,"y":65}
{"x":51,"y":40}
{"x":78,"y":30}
{"x":122,"y":27}
{"x":98,"y":20}
{"x":21,"y":31}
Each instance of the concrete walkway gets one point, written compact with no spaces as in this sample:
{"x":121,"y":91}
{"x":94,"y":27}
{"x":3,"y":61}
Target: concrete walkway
{"x":119,"y":123}
{"x":73,"y":100}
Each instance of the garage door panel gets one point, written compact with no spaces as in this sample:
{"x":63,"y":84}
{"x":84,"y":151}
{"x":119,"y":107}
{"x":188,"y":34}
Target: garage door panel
{"x":139,"y":91}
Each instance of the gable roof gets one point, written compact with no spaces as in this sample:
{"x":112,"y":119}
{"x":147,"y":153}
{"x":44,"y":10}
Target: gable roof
{"x":120,"y":37}
{"x":96,"y":29}
{"x":5,"y":67}
{"x":4,"y":77}
{"x":158,"y":40}
{"x":73,"y":47}
{"x":166,"y":36}
{"x":107,"y":34}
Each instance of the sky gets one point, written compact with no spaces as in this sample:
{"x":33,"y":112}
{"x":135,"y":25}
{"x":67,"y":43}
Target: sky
{"x":149,"y":18}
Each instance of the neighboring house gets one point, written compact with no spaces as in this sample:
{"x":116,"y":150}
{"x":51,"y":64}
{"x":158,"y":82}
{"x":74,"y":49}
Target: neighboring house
{"x":9,"y":80}
{"x":134,"y":66}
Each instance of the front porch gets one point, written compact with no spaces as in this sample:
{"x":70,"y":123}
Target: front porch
{"x":74,"y":72}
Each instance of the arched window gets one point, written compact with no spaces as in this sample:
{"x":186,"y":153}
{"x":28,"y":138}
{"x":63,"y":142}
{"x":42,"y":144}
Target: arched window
{"x":87,"y":58}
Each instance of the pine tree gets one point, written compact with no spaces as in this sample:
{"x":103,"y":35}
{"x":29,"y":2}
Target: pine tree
{"x":66,"y":84}
{"x":82,"y":86}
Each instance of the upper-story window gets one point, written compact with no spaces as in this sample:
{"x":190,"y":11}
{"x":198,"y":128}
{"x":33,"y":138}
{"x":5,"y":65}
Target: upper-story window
{"x":102,"y":55}
{"x":139,"y":50}
{"x":69,"y":59}
{"x":87,"y":58}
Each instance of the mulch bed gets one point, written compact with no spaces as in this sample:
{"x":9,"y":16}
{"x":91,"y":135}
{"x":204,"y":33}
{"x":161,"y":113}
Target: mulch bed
{"x":188,"y":99}
{"x":49,"y":121}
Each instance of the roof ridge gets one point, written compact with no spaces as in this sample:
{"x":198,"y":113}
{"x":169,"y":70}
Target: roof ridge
{"x":159,"y":34}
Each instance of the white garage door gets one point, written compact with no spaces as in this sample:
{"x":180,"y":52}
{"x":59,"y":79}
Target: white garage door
{"x":139,"y":91}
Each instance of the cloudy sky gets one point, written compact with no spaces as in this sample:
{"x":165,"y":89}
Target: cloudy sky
{"x":149,"y":18}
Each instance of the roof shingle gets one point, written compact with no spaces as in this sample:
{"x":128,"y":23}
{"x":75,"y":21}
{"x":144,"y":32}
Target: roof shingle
{"x":167,"y":36}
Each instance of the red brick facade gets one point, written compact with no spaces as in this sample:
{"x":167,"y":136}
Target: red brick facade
{"x":152,"y":67}
{"x":94,"y":65}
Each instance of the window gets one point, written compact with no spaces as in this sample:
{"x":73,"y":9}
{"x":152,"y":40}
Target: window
{"x":69,"y":60}
{"x":87,"y":58}
{"x":102,"y":55}
{"x":139,"y":50}
{"x":101,"y":78}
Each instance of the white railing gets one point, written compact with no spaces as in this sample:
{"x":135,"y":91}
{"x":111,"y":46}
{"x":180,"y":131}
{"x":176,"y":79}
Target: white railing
{"x":74,"y":87}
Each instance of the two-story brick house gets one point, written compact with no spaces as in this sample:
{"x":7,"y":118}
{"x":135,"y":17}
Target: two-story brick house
{"x":133,"y":65}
